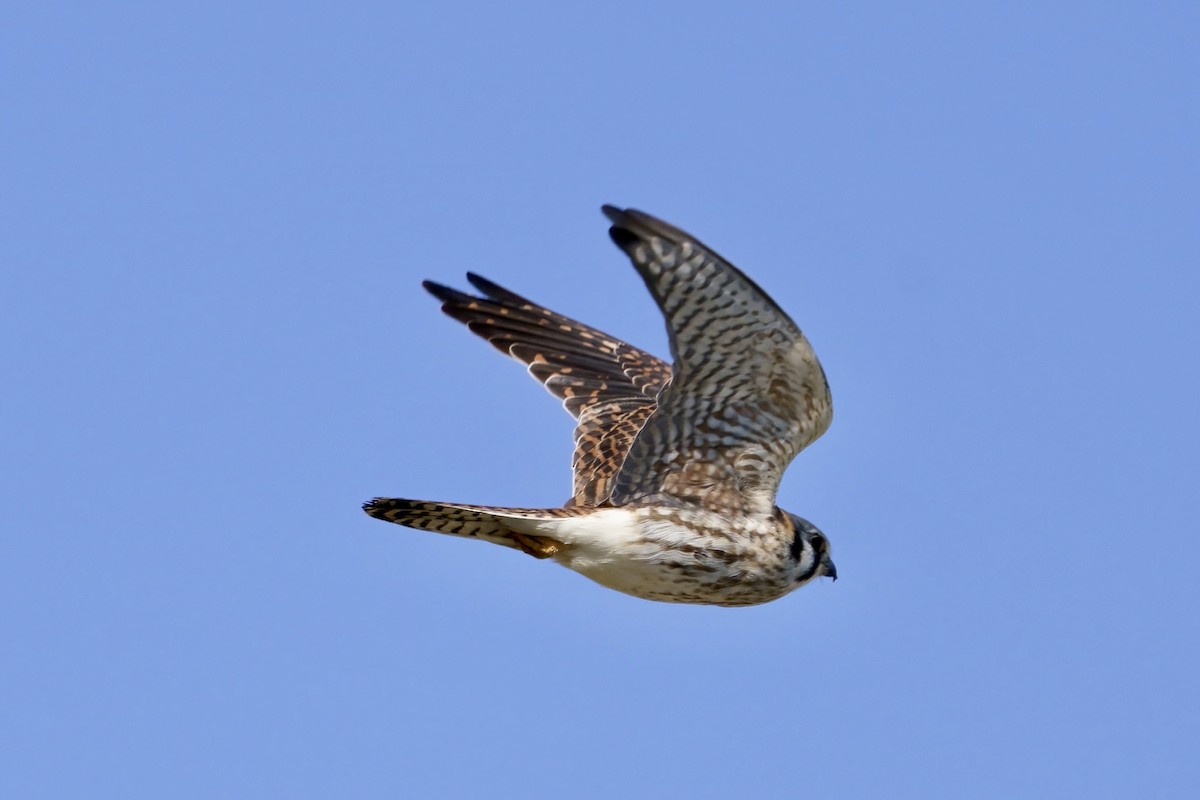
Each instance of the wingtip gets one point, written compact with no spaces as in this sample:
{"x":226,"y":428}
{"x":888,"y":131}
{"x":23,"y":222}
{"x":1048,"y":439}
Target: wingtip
{"x":638,"y":222}
{"x":625,"y":217}
{"x":496,"y":292}
{"x":623,"y":237}
{"x":448,"y":294}
{"x":483,"y":284}
{"x":620,"y":231}
{"x":443,"y":293}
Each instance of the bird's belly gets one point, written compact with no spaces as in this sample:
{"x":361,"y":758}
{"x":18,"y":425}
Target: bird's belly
{"x":672,"y":583}
{"x":660,"y":559}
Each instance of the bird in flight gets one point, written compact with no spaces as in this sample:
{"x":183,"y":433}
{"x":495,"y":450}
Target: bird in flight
{"x":676,"y":466}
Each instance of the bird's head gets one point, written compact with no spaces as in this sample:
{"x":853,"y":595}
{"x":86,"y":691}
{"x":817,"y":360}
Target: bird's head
{"x":809,"y":551}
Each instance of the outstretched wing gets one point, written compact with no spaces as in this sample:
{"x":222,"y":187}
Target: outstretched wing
{"x":747,"y":392}
{"x":608,"y":385}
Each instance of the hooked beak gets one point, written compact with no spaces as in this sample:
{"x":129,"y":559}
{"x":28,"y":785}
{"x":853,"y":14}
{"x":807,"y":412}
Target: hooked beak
{"x":829,"y":569}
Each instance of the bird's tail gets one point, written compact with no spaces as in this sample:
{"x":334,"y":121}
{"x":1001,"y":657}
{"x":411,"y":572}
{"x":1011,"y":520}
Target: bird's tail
{"x":520,"y":528}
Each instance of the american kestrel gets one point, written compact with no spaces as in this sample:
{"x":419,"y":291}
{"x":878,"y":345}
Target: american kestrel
{"x":676,"y":467}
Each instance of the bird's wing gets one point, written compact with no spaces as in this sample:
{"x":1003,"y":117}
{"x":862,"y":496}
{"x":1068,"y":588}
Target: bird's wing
{"x":606,"y":384}
{"x":747,"y":392}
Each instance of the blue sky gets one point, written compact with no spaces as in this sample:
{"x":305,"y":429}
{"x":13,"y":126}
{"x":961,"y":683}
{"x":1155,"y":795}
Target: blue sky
{"x":214,"y":225}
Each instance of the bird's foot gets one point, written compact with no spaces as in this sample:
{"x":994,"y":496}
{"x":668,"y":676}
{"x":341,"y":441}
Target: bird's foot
{"x":536,"y":546}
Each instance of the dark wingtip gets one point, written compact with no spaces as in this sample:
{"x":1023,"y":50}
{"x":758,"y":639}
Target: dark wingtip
{"x":623,"y":238}
{"x":478,"y":281}
{"x":445,"y":294}
{"x":620,"y":233}
{"x":497,"y":292}
{"x":487,"y":287}
{"x":627,"y":217}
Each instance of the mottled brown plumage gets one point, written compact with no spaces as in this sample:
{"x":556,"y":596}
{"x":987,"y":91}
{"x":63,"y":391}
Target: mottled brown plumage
{"x":607,"y":385}
{"x":676,"y":467}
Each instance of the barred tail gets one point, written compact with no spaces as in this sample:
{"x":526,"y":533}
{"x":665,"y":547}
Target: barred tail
{"x":519,"y":528}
